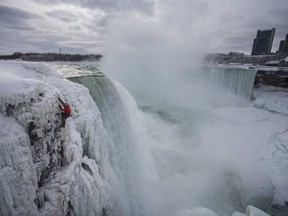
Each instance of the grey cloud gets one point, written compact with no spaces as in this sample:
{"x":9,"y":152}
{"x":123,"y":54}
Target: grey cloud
{"x":75,"y":28}
{"x":273,"y":18}
{"x":277,"y":19}
{"x":241,"y":42}
{"x":12,"y":14}
{"x":37,"y":44}
{"x":238,"y":39}
{"x":15,"y":18}
{"x":246,"y":29}
{"x":18,"y":27}
{"x":231,"y":18}
{"x":11,"y":42}
{"x":280,"y":13}
{"x":144,"y":6}
{"x":101,"y":22}
{"x":63,"y":16}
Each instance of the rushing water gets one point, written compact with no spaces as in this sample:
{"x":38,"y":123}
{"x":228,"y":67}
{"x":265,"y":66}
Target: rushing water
{"x":162,"y":155}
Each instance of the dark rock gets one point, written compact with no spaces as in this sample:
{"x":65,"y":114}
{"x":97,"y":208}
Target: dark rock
{"x":278,"y":78}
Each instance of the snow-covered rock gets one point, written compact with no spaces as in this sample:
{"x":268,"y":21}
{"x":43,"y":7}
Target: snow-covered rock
{"x":234,"y":185}
{"x":252,"y":211}
{"x":249,"y":185}
{"x":238,"y":214}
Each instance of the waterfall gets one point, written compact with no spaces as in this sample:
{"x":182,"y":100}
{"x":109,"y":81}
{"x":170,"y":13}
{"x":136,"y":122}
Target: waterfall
{"x":238,"y":81}
{"x":129,"y":158}
{"x":122,"y":121}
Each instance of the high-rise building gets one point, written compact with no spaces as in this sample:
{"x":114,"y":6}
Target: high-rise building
{"x":263,"y":42}
{"x":283,"y":47}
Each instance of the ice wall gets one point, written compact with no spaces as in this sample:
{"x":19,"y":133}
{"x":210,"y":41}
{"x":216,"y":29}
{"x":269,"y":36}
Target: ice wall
{"x":18,"y":177}
{"x":45,"y":169}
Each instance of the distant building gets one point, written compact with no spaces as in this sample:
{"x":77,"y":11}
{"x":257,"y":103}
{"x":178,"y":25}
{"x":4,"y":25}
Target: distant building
{"x":263,"y":42}
{"x":283,"y":47}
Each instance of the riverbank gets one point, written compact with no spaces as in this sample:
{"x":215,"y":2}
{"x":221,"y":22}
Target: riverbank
{"x":272,"y":76}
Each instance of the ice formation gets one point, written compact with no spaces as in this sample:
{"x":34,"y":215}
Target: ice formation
{"x":43,"y":168}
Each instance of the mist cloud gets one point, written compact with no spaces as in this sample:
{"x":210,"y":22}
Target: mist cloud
{"x":150,"y":55}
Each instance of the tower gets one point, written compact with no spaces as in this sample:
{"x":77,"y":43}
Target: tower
{"x":263,"y":42}
{"x":283,"y":47}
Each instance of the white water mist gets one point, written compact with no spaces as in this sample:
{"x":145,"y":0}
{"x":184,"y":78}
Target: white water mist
{"x":158,"y":59}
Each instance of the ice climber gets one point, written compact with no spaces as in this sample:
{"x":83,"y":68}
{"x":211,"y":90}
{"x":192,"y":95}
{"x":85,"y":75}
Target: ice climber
{"x":65,"y":112}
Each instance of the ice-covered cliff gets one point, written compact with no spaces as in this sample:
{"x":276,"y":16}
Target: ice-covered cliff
{"x":90,"y":167}
{"x":43,"y":168}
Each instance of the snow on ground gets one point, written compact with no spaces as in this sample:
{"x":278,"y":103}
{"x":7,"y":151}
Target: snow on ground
{"x":272,"y":99}
{"x":257,"y":133}
{"x":199,"y":211}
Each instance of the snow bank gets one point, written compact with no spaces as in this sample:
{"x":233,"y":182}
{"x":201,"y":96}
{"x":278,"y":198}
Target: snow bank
{"x":238,"y":214}
{"x":249,"y":185}
{"x":257,"y":133}
{"x":199,"y":211}
{"x":252,"y":211}
{"x":272,"y":99}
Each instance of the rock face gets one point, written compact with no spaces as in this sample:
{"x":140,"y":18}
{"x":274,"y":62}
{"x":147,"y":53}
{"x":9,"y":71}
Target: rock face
{"x":277,"y":78}
{"x":43,"y":168}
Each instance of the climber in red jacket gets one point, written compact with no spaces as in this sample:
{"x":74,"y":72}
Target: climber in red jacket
{"x":65,"y":111}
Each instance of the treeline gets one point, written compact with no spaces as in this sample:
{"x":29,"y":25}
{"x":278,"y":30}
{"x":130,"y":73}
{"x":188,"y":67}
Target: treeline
{"x":241,"y":58}
{"x":32,"y":56}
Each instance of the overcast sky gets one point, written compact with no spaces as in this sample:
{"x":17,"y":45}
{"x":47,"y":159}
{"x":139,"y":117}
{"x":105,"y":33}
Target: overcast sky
{"x":88,"y":26}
